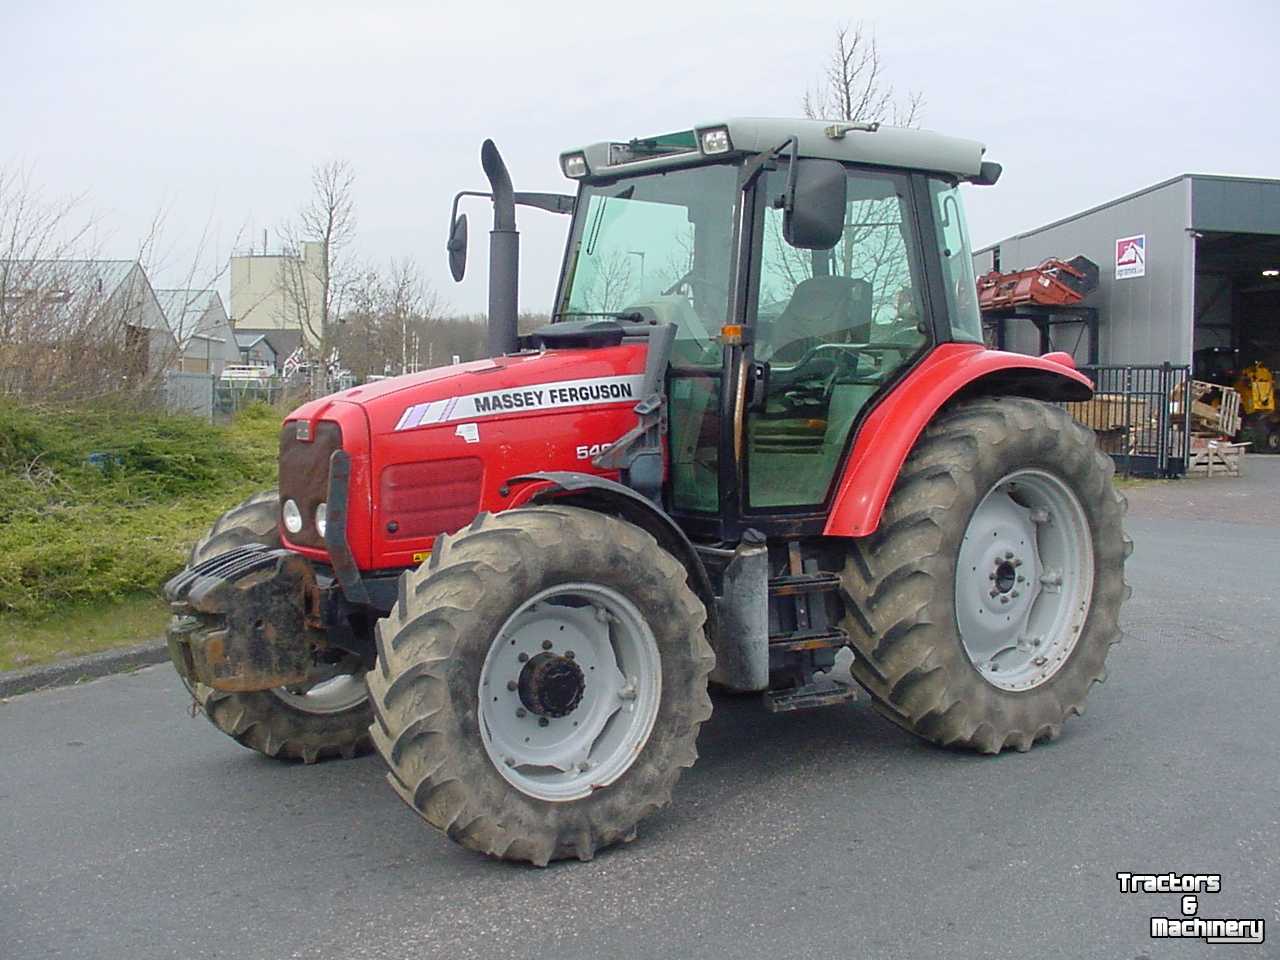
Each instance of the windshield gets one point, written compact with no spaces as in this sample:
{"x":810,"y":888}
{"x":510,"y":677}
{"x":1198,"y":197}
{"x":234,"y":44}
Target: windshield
{"x":659,"y":246}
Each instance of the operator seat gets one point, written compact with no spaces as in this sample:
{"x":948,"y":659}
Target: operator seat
{"x":821,"y":310}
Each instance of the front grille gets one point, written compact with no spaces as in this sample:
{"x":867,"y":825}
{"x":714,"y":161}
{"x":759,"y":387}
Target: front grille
{"x":304,"y":474}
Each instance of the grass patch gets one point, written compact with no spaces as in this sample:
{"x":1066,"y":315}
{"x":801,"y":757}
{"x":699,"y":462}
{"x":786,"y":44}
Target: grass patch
{"x":79,"y":629}
{"x":100,"y":505}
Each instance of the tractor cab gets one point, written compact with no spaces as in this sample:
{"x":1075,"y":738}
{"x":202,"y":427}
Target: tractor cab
{"x":793,"y":259}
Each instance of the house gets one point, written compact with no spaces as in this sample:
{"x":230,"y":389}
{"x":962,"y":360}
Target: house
{"x":206,"y":340}
{"x":256,"y":351}
{"x":54,"y":313}
{"x":259,"y":347}
{"x":283,"y":291}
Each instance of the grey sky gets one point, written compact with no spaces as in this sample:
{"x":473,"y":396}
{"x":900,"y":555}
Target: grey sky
{"x":219,"y":110}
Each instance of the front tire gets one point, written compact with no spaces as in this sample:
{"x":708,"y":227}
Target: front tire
{"x":967,"y":656}
{"x":541,"y":682}
{"x":330,"y":719}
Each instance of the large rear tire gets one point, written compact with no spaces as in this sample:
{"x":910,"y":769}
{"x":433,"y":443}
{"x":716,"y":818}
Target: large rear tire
{"x":983,"y":609}
{"x":331,"y":719}
{"x":541,"y":682}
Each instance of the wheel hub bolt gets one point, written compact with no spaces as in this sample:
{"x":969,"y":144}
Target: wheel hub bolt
{"x":1008,"y":554}
{"x":523,"y":657}
{"x":1004,"y":599}
{"x":520,"y":712}
{"x":512,"y":685}
{"x":543,"y":721}
{"x":568,"y":654}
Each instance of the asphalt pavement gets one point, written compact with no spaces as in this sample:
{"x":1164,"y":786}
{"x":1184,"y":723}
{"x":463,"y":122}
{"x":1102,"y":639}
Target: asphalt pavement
{"x":129,"y":829}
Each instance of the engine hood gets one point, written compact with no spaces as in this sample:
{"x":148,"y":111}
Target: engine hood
{"x":525,"y":383}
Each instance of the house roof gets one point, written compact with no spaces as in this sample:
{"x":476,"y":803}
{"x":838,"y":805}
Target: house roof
{"x":93,"y":280}
{"x":283,"y":342}
{"x":188,"y":312}
{"x":247,"y":341}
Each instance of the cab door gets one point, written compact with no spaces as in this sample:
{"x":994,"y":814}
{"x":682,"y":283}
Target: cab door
{"x":832,"y":330}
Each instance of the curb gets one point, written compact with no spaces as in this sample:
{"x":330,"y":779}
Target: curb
{"x":66,"y":672}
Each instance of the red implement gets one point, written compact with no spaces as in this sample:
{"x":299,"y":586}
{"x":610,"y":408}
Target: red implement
{"x":1054,"y":283}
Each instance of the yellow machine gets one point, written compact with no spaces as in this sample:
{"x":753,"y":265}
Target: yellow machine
{"x":1257,"y":388}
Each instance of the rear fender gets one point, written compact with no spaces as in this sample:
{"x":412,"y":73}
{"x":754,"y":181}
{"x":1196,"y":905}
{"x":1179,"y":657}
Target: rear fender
{"x":952,"y":373}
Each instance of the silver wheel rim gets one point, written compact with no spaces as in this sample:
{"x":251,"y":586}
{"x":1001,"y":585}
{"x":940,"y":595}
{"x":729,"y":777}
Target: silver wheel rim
{"x":597,"y":632}
{"x":1024,"y":580}
{"x":334,"y":695}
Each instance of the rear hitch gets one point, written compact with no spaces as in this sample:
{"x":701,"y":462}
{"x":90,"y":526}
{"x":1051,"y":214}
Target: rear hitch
{"x":248,"y":620}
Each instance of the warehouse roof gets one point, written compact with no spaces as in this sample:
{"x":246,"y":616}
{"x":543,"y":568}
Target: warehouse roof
{"x":1220,"y":202}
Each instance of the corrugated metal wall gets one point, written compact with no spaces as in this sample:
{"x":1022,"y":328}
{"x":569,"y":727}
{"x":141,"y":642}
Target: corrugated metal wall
{"x":1143,"y":319}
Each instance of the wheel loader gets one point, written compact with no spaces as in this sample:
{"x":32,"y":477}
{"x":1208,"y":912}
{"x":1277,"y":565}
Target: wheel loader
{"x":760,"y":430}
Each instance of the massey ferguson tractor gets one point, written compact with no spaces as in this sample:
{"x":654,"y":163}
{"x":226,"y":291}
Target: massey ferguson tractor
{"x":761,"y":428}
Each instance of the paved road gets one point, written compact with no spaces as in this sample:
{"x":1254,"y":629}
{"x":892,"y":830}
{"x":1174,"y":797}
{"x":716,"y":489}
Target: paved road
{"x":129,"y":830}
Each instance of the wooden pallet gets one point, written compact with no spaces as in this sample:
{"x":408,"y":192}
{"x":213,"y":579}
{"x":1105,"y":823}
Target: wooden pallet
{"x":1212,"y":456}
{"x":1214,"y":408}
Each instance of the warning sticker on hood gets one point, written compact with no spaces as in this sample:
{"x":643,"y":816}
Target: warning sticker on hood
{"x":542,"y":396}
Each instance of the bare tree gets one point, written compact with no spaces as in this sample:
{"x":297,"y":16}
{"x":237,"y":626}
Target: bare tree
{"x":389,"y":320}
{"x":315,"y":274}
{"x":612,"y":284}
{"x":853,"y":87}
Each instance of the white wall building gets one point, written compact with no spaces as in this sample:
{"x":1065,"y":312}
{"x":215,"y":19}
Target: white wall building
{"x":280,"y":291}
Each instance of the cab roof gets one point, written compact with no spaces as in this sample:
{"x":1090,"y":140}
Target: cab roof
{"x":865,"y":143}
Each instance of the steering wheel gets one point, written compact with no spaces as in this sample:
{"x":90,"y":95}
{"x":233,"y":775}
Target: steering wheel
{"x":810,"y":381}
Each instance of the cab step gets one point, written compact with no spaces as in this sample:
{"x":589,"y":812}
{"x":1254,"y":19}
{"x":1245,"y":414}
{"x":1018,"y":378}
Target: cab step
{"x":832,"y":638}
{"x":821,"y":693}
{"x":803,"y":583}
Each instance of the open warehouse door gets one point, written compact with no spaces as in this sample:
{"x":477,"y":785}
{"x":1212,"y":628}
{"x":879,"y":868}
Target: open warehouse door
{"x":1237,"y":326}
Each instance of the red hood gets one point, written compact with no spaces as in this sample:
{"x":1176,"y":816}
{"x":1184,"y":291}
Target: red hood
{"x":386,"y":401}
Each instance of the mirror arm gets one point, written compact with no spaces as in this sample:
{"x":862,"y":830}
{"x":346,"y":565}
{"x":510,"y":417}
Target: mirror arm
{"x":551,"y":202}
{"x":793,"y":162}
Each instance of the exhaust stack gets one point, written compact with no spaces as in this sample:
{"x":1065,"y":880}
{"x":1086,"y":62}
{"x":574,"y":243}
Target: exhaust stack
{"x":504,"y":255}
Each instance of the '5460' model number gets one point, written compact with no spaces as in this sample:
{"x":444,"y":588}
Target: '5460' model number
{"x":591,"y":451}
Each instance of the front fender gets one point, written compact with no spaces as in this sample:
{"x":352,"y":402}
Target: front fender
{"x":594,"y":492}
{"x":953,"y":371}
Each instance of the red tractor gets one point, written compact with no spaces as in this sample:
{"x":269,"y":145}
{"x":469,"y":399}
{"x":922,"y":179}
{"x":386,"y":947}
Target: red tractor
{"x":761,"y":428}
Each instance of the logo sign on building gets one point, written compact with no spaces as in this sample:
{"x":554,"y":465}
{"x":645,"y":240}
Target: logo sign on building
{"x":1131,"y":257}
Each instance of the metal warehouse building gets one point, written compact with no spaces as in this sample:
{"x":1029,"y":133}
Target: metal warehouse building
{"x":1189,"y":275}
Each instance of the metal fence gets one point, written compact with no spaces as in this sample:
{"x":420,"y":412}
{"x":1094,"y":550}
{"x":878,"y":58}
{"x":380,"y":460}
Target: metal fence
{"x":1136,"y":417}
{"x":189,"y":393}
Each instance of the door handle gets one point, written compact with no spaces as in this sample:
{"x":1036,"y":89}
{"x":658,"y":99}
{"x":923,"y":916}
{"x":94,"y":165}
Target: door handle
{"x":757,"y":385}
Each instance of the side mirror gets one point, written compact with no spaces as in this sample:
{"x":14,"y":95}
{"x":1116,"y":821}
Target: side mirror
{"x":457,"y":247}
{"x":814,"y":205}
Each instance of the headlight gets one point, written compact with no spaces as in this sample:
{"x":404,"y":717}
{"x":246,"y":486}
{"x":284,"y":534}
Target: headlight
{"x":714,"y":140}
{"x":574,"y":165}
{"x":292,"y":516}
{"x":322,"y":517}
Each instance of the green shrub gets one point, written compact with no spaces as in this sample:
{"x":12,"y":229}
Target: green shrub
{"x":100,"y":503}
